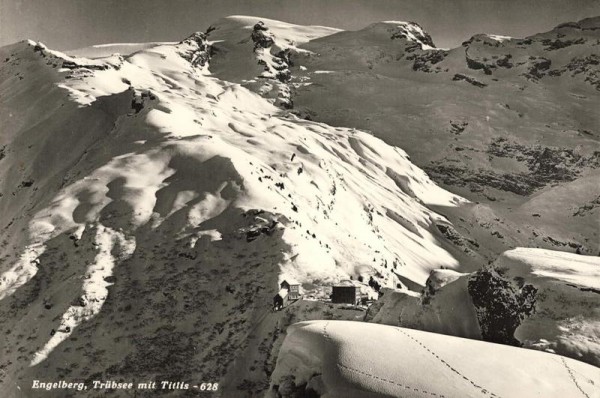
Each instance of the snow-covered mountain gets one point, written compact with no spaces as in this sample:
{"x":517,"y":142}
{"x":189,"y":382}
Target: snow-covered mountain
{"x":149,"y":165}
{"x":152,"y":201}
{"x":486,"y":120}
{"x":509,"y":123}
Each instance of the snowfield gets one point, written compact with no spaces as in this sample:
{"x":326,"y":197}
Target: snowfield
{"x":352,"y":359}
{"x":105,"y":50}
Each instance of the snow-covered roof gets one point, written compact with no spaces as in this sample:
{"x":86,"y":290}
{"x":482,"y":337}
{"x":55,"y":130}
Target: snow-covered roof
{"x":291,"y":281}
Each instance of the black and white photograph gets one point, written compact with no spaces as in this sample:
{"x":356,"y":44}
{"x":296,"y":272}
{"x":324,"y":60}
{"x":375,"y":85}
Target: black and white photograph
{"x":300,"y":198}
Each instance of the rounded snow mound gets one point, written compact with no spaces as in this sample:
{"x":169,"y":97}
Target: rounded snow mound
{"x":356,"y":359}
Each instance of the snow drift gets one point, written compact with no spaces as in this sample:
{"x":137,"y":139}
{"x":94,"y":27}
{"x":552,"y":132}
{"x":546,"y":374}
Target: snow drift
{"x":351,"y":359}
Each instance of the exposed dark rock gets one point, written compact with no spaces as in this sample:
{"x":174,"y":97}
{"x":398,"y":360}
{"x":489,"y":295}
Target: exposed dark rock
{"x":574,"y":25}
{"x":423,"y":61}
{"x":525,"y":42}
{"x":137,"y":104}
{"x":39,"y":49}
{"x":501,"y":305}
{"x":287,"y":388}
{"x":468,"y":79}
{"x":558,"y":43}
{"x":73,"y":65}
{"x":588,"y":207}
{"x":537,"y":68}
{"x":200,"y":55}
{"x":504,"y":62}
{"x":546,"y":164}
{"x":462,"y":176}
{"x":457,"y":239}
{"x":478,"y":65}
{"x":26,"y":183}
{"x":585,"y":289}
{"x":254,"y":233}
{"x":458,"y":127}
{"x":261,"y":36}
{"x":588,"y":66}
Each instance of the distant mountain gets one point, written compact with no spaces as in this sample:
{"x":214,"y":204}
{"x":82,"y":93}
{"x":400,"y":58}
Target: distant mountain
{"x":509,"y":123}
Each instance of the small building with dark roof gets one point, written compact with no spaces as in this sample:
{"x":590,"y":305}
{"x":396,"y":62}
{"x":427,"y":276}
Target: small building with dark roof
{"x":293,"y":288}
{"x":281,"y":299}
{"x":347,"y":294}
{"x":289,"y":291}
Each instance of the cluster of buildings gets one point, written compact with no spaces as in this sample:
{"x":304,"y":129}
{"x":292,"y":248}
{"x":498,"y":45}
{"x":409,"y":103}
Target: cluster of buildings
{"x":340,"y":294}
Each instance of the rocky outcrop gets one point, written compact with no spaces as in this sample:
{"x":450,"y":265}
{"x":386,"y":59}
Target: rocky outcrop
{"x":546,"y":164}
{"x":501,"y":304}
{"x":261,"y":36}
{"x":424,"y":61}
{"x":198,"y":50}
{"x":411,"y":32}
{"x":276,"y":66}
{"x":583,"y":210}
{"x":532,"y":298}
{"x":537,"y":67}
{"x":72,"y":64}
{"x":587,"y":66}
{"x":561,"y":43}
{"x":469,"y":79}
{"x":449,"y":232}
{"x":475,"y":64}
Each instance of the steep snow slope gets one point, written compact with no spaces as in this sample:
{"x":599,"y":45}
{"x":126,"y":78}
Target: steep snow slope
{"x":351,"y":359}
{"x":535,"y":298}
{"x":149,"y":209}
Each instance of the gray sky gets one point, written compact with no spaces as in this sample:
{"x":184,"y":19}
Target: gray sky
{"x":68,"y":24}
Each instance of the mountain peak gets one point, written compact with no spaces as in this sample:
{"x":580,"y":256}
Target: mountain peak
{"x":410,"y":31}
{"x":591,"y":23}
